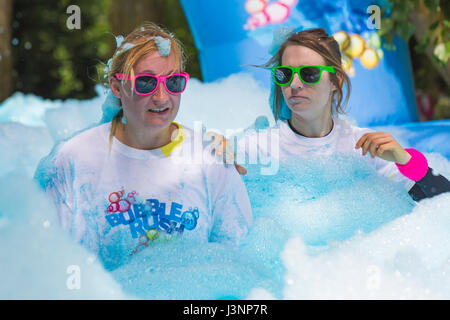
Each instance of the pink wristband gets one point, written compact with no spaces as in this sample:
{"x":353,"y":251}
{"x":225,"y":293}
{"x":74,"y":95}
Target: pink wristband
{"x":416,"y":168}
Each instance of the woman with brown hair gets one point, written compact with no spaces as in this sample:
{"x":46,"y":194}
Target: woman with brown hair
{"x":307,"y":96}
{"x":138,"y":180}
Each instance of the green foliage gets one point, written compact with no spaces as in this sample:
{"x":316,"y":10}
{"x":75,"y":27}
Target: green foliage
{"x":55,"y":62}
{"x":396,"y":20}
{"x":426,"y":79}
{"x":442,"y":108}
{"x":51,"y":60}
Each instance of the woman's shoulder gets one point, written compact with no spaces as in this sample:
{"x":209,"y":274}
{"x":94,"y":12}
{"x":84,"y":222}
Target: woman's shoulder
{"x":254,"y":133}
{"x":64,"y":153}
{"x":93,"y":138}
{"x":351,"y":128}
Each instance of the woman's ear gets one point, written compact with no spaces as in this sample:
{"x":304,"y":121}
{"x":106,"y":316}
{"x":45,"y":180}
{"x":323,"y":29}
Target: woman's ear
{"x":114,"y":84}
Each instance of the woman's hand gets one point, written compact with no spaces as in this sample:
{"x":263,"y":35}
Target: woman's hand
{"x":383,"y":145}
{"x":222,"y":148}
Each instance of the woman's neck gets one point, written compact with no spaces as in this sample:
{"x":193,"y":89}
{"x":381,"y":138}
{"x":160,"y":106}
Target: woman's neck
{"x":144,"y":139}
{"x":311,"y":128}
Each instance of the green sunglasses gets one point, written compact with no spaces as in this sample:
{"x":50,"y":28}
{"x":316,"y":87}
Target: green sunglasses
{"x":283,"y":75}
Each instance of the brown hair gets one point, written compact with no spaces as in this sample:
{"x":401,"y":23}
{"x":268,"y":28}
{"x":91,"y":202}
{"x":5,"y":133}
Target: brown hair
{"x":124,"y":59}
{"x":328,"y":48}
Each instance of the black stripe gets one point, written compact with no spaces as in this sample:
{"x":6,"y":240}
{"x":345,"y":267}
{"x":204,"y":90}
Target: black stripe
{"x":429,"y":186}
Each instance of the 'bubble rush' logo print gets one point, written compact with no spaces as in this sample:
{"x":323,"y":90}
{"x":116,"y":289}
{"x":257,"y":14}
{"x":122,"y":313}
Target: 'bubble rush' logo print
{"x":142,"y":216}
{"x":121,"y":204}
{"x":189,"y":218}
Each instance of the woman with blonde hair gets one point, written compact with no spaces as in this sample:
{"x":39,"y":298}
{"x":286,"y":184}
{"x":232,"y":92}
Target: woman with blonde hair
{"x":131,"y":182}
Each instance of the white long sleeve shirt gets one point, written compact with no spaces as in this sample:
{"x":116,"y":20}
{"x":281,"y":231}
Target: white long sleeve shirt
{"x":280,"y":142}
{"x":110,"y":199}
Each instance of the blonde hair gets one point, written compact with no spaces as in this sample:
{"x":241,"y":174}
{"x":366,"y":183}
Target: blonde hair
{"x":125,"y":59}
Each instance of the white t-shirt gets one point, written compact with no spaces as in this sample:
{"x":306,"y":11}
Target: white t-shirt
{"x":110,"y":199}
{"x":281,"y":142}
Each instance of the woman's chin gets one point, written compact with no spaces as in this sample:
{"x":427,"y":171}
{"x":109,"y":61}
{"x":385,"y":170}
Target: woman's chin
{"x":158,"y":123}
{"x":300,"y":107}
{"x":158,"y":120}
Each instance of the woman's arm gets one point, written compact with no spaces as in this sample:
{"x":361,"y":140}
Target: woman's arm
{"x":54,"y":176}
{"x":410,"y":162}
{"x":222,"y":148}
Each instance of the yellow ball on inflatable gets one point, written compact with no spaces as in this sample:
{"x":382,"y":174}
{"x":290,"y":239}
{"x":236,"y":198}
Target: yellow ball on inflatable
{"x":351,"y":71}
{"x":346,"y":62}
{"x":369,"y":58}
{"x":343,"y":39}
{"x":356,"y":46}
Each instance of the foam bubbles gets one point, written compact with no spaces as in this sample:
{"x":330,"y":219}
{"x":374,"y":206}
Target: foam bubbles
{"x":323,"y":227}
{"x":38,"y":259}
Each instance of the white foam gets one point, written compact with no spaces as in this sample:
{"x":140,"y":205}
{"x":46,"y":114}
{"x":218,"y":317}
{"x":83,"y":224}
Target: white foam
{"x":321,"y":229}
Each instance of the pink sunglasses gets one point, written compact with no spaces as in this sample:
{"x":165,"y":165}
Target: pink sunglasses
{"x":145,"y":84}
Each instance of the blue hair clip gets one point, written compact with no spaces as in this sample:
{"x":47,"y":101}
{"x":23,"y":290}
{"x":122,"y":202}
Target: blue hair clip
{"x":280,"y":35}
{"x":119,"y":40}
{"x":163,"y":45}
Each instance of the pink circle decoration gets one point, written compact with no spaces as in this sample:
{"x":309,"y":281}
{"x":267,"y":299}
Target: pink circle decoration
{"x":124,"y":205}
{"x":277,"y":12}
{"x":114,"y":197}
{"x":113,"y":207}
{"x":254,"y":6}
{"x":131,"y":198}
{"x":289,"y":3}
{"x":259,"y":19}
